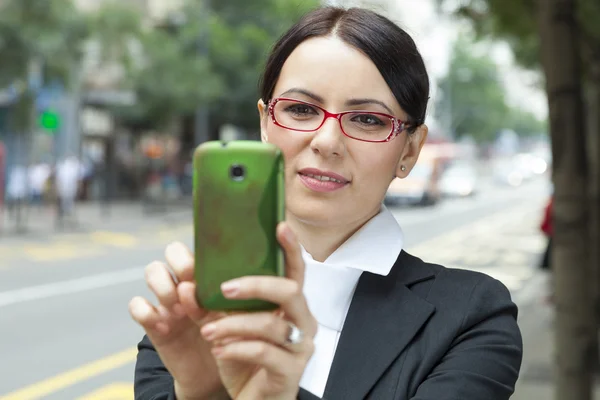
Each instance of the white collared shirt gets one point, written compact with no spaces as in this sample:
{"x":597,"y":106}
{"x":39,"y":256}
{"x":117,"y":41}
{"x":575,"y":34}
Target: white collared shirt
{"x":329,"y":287}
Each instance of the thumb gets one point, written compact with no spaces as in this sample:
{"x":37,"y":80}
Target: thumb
{"x":294,"y":263}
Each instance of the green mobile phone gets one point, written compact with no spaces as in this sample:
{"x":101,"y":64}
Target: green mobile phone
{"x":238,"y":202}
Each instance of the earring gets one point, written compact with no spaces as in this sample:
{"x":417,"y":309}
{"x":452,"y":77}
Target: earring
{"x":402,"y":168}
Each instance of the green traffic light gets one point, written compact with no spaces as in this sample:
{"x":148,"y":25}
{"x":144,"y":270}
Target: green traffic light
{"x":50,"y":120}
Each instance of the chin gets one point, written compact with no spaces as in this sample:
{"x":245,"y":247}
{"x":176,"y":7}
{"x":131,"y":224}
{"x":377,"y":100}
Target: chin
{"x":316,"y":212}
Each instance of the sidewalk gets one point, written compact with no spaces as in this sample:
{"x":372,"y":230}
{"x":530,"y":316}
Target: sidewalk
{"x":118,"y":217}
{"x":536,"y":380}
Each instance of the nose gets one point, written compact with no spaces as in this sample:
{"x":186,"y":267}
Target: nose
{"x":329,"y":141}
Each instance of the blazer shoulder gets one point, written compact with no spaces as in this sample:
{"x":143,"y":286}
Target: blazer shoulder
{"x":455,"y":286}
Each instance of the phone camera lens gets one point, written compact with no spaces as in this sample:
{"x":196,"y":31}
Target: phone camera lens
{"x":237,"y":172}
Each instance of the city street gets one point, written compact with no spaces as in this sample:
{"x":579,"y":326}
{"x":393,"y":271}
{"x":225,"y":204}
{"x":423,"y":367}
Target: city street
{"x":66,"y":332}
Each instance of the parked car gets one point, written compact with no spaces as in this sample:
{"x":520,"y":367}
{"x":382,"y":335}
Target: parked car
{"x":459,"y":180}
{"x":421,"y":187}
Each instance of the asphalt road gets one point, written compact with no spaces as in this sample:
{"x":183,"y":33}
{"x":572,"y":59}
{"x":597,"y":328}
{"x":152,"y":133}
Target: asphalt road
{"x":65,"y":332}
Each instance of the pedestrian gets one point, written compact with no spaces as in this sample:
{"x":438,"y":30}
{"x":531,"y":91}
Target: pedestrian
{"x":16,"y":194}
{"x":359,"y":317}
{"x":38,"y":176}
{"x":68,"y":177}
{"x":547,"y":229}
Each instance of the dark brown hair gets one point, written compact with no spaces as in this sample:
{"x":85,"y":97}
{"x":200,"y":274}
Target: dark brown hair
{"x":391,"y":49}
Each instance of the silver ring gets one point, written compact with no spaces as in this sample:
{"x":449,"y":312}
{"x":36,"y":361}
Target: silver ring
{"x":295,"y":335}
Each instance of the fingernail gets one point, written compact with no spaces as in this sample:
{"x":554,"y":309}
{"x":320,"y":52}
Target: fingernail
{"x":230,"y":288}
{"x":217,"y":351}
{"x":208,"y":331}
{"x":178,"y":253}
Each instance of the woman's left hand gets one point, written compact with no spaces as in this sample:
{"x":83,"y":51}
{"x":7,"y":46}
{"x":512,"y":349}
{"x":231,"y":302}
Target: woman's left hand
{"x":254,"y":357}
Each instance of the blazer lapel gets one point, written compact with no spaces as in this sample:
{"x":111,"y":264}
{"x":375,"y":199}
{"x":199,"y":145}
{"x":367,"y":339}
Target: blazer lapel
{"x":383,"y":318}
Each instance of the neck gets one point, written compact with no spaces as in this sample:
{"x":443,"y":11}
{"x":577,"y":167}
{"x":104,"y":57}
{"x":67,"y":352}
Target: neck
{"x":321,"y":240}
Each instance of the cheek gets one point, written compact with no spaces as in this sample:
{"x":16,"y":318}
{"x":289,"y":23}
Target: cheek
{"x":377,"y":165}
{"x":290,"y":144}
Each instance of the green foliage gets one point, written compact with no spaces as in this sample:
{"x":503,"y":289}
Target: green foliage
{"x":472,"y":101}
{"x":203,"y":55}
{"x":515,"y":22}
{"x":510,"y":20}
{"x":241,"y":38}
{"x":525,"y":123}
{"x":171,"y":80}
{"x":45,"y":34}
{"x":50,"y":32}
{"x":116,"y":26}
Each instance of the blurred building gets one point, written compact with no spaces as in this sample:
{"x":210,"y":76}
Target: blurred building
{"x":122,"y":152}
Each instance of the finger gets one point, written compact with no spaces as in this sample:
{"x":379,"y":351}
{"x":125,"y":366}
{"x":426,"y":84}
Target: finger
{"x":161,"y":283}
{"x":256,"y":326}
{"x":187,"y":297}
{"x":282,"y":291}
{"x":147,"y":316}
{"x":181,"y":260}
{"x":294,"y":264}
{"x":275,"y":359}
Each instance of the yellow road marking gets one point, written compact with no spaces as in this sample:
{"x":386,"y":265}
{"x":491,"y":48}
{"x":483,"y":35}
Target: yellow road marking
{"x":76,"y":375}
{"x":170,"y":234}
{"x":115,"y":391}
{"x":58,"y":251}
{"x":115,"y":239}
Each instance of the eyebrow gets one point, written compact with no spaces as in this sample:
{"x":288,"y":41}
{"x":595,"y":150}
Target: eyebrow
{"x":349,"y":103}
{"x":359,"y":102}
{"x":306,"y":93}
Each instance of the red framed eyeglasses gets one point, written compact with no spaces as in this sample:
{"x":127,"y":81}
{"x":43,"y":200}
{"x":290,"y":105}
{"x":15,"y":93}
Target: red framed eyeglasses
{"x":366,"y":126}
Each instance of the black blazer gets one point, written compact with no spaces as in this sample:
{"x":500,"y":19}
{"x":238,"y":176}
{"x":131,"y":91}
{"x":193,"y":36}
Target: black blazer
{"x":423,"y":332}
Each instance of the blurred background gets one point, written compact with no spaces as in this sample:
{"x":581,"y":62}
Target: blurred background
{"x":103,"y":102}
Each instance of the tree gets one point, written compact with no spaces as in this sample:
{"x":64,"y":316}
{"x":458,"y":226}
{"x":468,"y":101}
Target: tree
{"x":39,"y":42}
{"x":206,"y":53}
{"x":473,"y":100}
{"x":576,"y":327}
{"x":564,"y":27}
{"x":525,"y":123}
{"x":241,"y":36}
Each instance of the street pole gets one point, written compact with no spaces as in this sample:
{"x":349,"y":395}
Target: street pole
{"x":201,"y":118}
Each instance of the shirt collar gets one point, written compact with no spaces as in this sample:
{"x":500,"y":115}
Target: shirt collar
{"x":374,"y":248}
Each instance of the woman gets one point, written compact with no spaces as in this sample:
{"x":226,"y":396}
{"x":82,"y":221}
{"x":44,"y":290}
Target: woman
{"x":359,"y":317}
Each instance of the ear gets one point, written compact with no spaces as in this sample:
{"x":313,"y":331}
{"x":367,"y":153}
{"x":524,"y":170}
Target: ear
{"x":264,"y":116}
{"x":412,"y":149}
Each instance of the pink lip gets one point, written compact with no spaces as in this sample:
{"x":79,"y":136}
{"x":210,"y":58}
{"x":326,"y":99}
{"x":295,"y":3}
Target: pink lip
{"x":321,"y":186}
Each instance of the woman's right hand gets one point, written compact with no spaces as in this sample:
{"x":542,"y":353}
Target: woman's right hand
{"x":173,"y":326}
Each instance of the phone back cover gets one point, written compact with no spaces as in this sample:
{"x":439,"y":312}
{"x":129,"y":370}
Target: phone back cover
{"x":235,"y":221}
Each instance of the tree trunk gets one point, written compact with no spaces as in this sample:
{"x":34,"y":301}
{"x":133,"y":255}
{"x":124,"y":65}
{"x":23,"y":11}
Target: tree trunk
{"x":593,"y":152}
{"x":574,"y":327}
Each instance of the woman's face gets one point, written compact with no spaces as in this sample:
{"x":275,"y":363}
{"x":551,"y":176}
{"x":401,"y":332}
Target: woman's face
{"x":329,"y":73}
